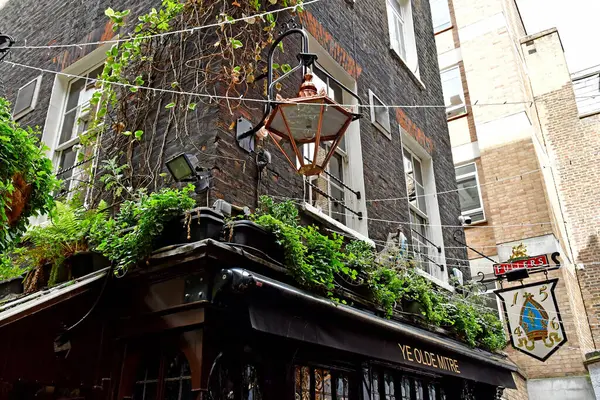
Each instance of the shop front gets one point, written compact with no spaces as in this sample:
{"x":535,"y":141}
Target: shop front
{"x":213,"y":322}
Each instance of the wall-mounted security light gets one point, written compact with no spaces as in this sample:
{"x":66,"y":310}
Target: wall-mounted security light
{"x":184,"y":168}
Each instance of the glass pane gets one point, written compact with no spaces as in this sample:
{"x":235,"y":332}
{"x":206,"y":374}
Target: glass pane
{"x":67,"y":127}
{"x":454,"y":97}
{"x":408,"y":166}
{"x":336,"y":166}
{"x":337,"y":211}
{"x":67,"y":160}
{"x":418,"y":175}
{"x":94,"y":75}
{"x":172,"y":389}
{"x":411,"y":191}
{"x":74,"y":89}
{"x":302,"y":383}
{"x":465,"y":169}
{"x":382,"y":116}
{"x":468,"y":193}
{"x":176,"y":366}
{"x":150,"y":392}
{"x":399,"y":27}
{"x":432,"y":394}
{"x":250,"y":385}
{"x":138,"y":392}
{"x":186,"y":390}
{"x":440,"y":14}
{"x":25,"y":96}
{"x":375,"y":386}
{"x":418,"y":390}
{"x":405,"y":388}
{"x":341,"y":392}
{"x":421,"y":200}
{"x":388,"y":382}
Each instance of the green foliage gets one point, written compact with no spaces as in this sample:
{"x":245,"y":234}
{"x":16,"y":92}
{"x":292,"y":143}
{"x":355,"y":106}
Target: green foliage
{"x":314,"y":260}
{"x":64,"y":235}
{"x":127,"y":238}
{"x":8,"y":269}
{"x":22,"y":153}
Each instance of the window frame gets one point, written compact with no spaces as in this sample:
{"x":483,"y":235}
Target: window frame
{"x":74,"y":140}
{"x":352,"y":392}
{"x":384,"y":126}
{"x":162,"y":377}
{"x":462,"y":106}
{"x":406,"y":48}
{"x":308,"y":151}
{"x":34,"y":98}
{"x":445,"y":25}
{"x":469,"y":175}
{"x":399,"y":379}
{"x":586,"y":96}
{"x":423,"y":228}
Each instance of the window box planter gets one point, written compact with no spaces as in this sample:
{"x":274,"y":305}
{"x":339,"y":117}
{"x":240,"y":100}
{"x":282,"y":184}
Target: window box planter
{"x":12,"y":286}
{"x":251,"y":236}
{"x":198,"y":224}
{"x":84,"y":263}
{"x":358,"y":287}
{"x":413,"y":307}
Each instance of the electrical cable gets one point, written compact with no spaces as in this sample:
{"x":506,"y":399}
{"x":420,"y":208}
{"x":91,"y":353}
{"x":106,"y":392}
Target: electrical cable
{"x":255,"y":100}
{"x":187,"y":30}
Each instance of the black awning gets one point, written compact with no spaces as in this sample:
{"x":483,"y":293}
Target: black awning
{"x":348,"y":329}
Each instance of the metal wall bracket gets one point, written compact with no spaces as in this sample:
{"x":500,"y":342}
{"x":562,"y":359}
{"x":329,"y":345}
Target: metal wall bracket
{"x":246,"y":142}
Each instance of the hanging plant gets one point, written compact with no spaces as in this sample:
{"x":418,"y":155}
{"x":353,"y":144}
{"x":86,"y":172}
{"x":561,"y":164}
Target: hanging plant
{"x":127,"y":238}
{"x":26,"y":177}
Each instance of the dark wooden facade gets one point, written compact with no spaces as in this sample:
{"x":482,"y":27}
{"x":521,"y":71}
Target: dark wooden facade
{"x":211,"y":321}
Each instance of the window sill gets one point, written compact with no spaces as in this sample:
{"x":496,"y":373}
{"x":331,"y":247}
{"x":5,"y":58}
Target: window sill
{"x":457,"y":117}
{"x":483,"y":221}
{"x":386,"y":133}
{"x":320,"y":216}
{"x":435,"y":280}
{"x":446,"y":29}
{"x":415,"y":78}
{"x":590,"y":114}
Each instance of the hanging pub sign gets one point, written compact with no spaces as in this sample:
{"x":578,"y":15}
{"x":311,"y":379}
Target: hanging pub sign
{"x":533,"y":318}
{"x":535,"y":262}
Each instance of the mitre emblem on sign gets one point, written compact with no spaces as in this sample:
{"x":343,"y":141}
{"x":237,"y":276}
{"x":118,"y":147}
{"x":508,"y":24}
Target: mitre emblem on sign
{"x":533,"y":318}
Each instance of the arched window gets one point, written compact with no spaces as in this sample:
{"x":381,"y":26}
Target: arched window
{"x":165,"y":376}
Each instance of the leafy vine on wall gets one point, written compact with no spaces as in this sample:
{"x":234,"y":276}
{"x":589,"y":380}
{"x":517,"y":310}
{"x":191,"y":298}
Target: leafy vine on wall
{"x":134,"y":126}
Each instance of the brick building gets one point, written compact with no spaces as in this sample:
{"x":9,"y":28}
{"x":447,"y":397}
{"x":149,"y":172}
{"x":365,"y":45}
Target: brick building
{"x":524,"y":136}
{"x":382,"y":180}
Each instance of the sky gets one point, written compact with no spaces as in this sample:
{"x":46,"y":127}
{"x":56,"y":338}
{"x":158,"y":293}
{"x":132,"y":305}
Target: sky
{"x":577,"y":24}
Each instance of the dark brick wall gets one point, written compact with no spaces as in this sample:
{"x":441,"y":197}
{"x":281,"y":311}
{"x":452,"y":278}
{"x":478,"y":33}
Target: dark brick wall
{"x":360,"y":32}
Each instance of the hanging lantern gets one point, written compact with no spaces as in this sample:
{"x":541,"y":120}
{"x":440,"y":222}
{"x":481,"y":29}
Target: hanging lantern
{"x":310,"y":119}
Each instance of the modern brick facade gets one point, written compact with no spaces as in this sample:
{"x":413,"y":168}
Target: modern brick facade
{"x":537,"y":164}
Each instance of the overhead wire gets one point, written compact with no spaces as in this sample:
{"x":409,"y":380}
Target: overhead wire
{"x":180,"y":31}
{"x":248,"y":99}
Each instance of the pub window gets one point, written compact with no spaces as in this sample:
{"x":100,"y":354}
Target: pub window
{"x":165,"y":376}
{"x":250,"y":384}
{"x":320,"y":384}
{"x":390,"y":385}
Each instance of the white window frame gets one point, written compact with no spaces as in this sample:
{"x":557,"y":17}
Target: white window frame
{"x":56,"y":111}
{"x":463,"y":105}
{"x":445,"y":25}
{"x":469,"y":175}
{"x":73,"y":142}
{"x":434,"y":225}
{"x":586,"y":85}
{"x":34,"y":99}
{"x":383,"y":126}
{"x":402,"y":34}
{"x":352,"y":158}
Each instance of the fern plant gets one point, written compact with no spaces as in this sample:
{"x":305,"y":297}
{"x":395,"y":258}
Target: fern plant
{"x":64,"y":235}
